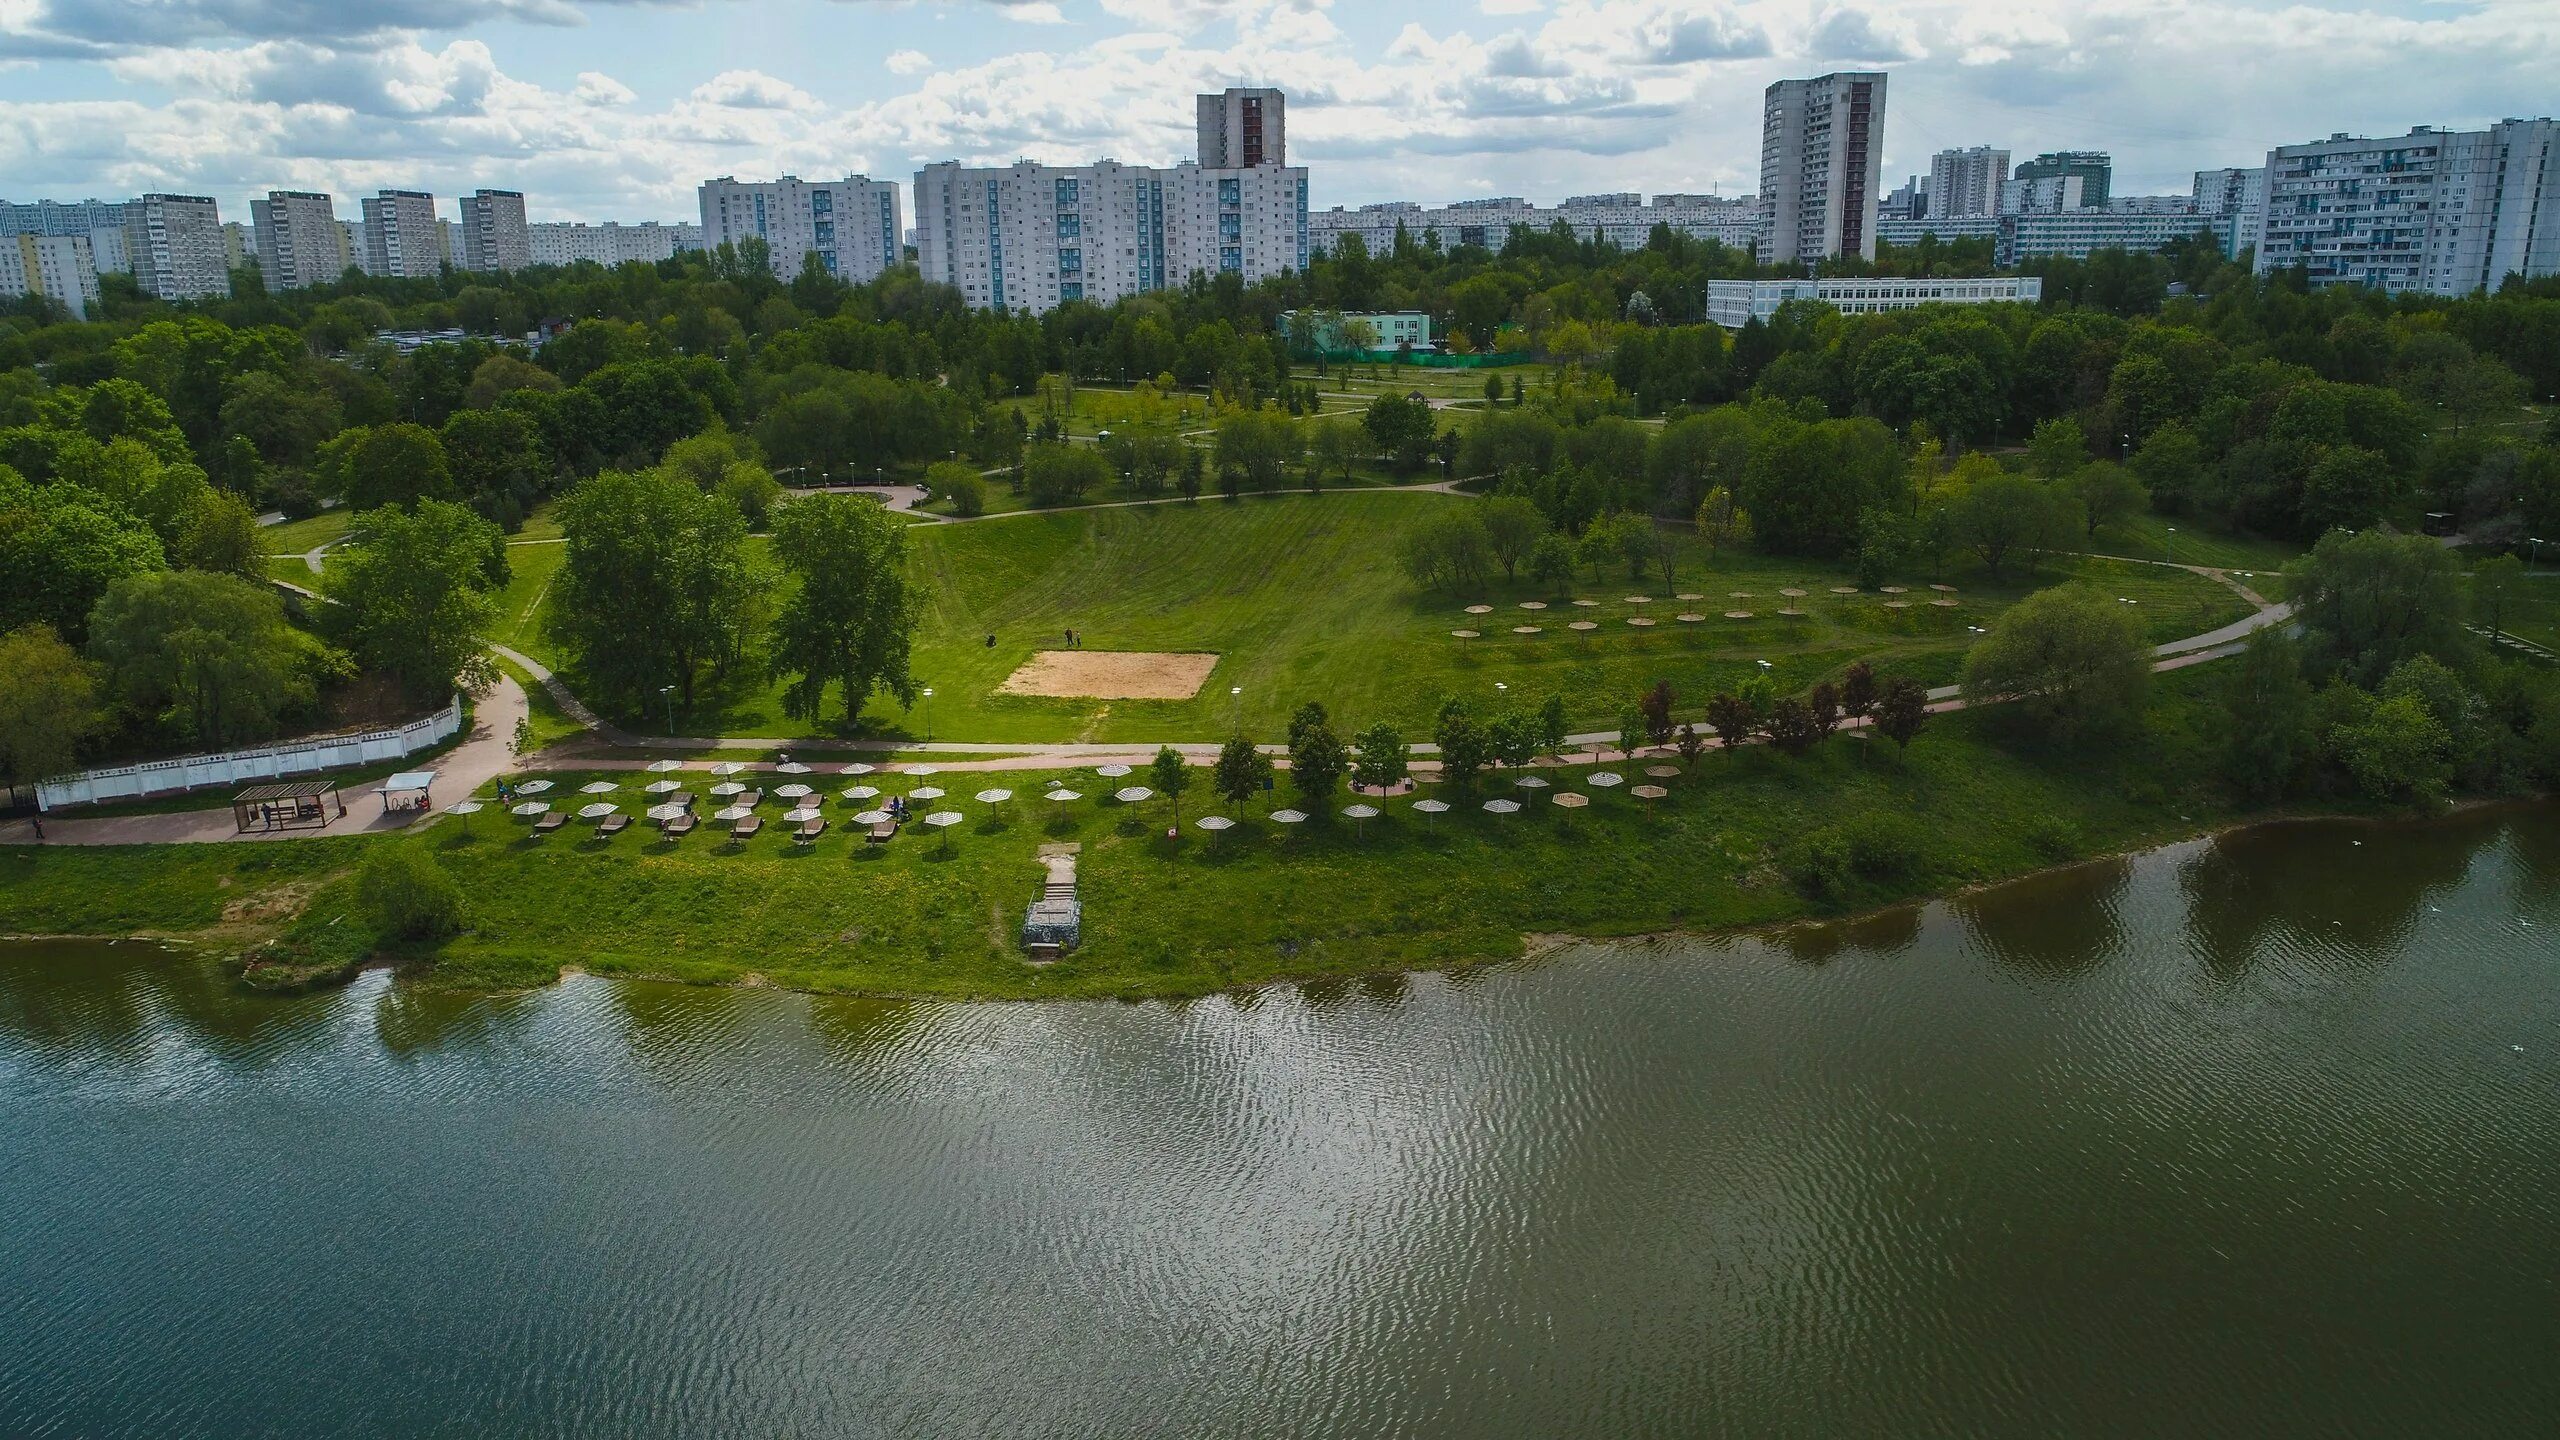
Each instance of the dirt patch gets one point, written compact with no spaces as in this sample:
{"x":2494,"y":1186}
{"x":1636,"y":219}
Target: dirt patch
{"x":276,"y":902}
{"x":1111,"y":675}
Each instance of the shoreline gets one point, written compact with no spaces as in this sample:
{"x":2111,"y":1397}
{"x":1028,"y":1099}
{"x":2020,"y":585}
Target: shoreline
{"x":1532,"y":946}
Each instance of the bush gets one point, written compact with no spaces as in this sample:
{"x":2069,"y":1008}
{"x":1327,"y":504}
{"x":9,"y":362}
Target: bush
{"x":1829,"y":863}
{"x":963,"y":489}
{"x":405,"y":894}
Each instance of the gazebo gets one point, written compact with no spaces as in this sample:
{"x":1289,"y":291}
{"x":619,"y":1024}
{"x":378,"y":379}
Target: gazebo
{"x":407,"y":790}
{"x":287,"y":805}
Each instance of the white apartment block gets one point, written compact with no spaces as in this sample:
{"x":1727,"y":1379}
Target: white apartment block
{"x":1243,"y":128}
{"x":609,"y":244}
{"x":299,"y":242}
{"x":239,"y":246}
{"x":851,"y":225}
{"x":2081,"y":233}
{"x":494,"y":238}
{"x":1821,"y":166}
{"x":1734,"y":303}
{"x":102,"y":221}
{"x":1967,"y":182}
{"x":61,"y":268}
{"x":1626,"y":220}
{"x":2237,"y":198}
{"x":2442,"y":212}
{"x":1028,"y":237}
{"x":175,"y":245}
{"x":402,"y":236}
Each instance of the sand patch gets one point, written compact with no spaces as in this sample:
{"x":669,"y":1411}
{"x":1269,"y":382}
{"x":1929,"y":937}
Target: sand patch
{"x":1111,"y":675}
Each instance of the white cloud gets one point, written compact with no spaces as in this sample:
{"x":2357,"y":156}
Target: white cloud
{"x":753,"y":90}
{"x":908,"y":62}
{"x":596,"y":88}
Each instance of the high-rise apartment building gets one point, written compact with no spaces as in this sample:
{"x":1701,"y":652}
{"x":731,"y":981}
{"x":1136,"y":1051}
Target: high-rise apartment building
{"x":2094,"y":169}
{"x":850,"y":225}
{"x":1240,"y":129}
{"x":611,"y":243}
{"x":1029,"y":237}
{"x":175,"y":245}
{"x":102,"y":221}
{"x":1965,"y":183}
{"x":401,"y":235}
{"x":1821,"y":166}
{"x":494,"y":239}
{"x":2235,"y":199}
{"x":298,"y":239}
{"x":61,"y":268}
{"x":2443,"y":212}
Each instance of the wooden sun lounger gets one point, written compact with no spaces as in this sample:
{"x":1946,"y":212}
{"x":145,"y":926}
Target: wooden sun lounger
{"x":678,"y":828}
{"x":882,"y":833}
{"x":611,"y":826}
{"x":751,"y":798}
{"x":809,"y":831}
{"x":746,"y":829}
{"x":549,"y":823}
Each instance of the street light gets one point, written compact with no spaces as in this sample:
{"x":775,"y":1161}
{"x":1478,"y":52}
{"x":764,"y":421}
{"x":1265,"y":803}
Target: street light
{"x":668,"y":694}
{"x":2537,"y":550}
{"x":928,"y":714}
{"x":1235,"y":704}
{"x":2173,"y":544}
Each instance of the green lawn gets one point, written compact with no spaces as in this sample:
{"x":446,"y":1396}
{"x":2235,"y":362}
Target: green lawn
{"x":1264,"y":903}
{"x":2148,"y":537}
{"x":294,"y":537}
{"x":1302,"y":598}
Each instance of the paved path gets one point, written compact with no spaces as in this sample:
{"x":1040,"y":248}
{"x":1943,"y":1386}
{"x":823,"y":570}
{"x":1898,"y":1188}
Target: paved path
{"x":484,"y":754}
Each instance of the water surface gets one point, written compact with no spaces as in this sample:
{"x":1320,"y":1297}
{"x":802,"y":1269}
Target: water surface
{"x":2258,"y":1136}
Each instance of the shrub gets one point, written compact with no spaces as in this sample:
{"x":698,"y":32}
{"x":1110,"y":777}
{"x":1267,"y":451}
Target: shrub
{"x":1828,"y":864}
{"x":405,"y":895}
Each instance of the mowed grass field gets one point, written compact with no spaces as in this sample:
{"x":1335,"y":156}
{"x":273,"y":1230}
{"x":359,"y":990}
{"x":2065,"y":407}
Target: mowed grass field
{"x":1303,"y":598}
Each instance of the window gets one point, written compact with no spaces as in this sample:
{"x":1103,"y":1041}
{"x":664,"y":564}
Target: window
{"x":1071,"y":290}
{"x":822,"y":202}
{"x":1071,"y":262}
{"x":1230,"y":192}
{"x":1066,"y":192}
{"x":1070,"y":226}
{"x":1231,"y":259}
{"x":826,"y":230}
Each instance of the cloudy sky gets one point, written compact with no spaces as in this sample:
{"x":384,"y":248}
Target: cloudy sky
{"x":605,"y":109}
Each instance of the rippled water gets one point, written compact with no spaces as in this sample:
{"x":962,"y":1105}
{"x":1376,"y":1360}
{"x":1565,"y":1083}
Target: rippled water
{"x":2235,"y":1139}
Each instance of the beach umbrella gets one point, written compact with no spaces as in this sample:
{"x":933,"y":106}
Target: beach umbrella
{"x":856,"y":768}
{"x":1570,"y":801}
{"x":1648,"y":794}
{"x":994,"y":797}
{"x":531,"y":808}
{"x":1111,"y":772}
{"x":802,"y":817}
{"x":727,"y":788}
{"x":1214,"y":823}
{"x":861,"y":792}
{"x":662,"y":767}
{"x":727,"y":768}
{"x":1531,"y":782}
{"x":1063,"y":795}
{"x":1606,"y":778}
{"x":533,"y":787}
{"x":925,"y":792}
{"x":1479,"y":609}
{"x":598,"y":787}
{"x":922,"y":770}
{"x":1430,"y":808}
{"x":598,"y":810}
{"x":870,"y":817}
{"x":663,"y":787}
{"x":731,"y":814}
{"x":791,"y":792}
{"x":1133,"y":795}
{"x":665,"y":812}
{"x":1663,"y":772}
{"x":1290,"y":817}
{"x":1502,"y":807}
{"x":943,"y":820}
{"x":1361,"y":815}
{"x":466,"y":809}
{"x":791,"y":767}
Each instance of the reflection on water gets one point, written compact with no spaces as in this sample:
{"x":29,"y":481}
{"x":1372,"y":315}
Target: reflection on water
{"x":2253,"y":1136}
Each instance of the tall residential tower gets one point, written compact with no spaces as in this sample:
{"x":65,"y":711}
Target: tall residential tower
{"x":1822,"y":166}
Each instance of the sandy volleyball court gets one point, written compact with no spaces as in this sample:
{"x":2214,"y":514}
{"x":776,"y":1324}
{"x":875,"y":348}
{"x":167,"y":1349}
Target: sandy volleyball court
{"x":1111,"y":675}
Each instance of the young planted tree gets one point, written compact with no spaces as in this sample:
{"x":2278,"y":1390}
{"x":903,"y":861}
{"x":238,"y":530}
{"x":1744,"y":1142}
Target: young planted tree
{"x":1824,"y":701}
{"x":848,"y":621}
{"x":1632,"y":729}
{"x":1901,"y":711}
{"x":1465,"y":748}
{"x":1551,"y":563}
{"x":1316,"y":758}
{"x":1242,"y":771}
{"x":1791,"y":726}
{"x":1655,"y":705}
{"x":1381,"y":759}
{"x":1171,"y":778}
{"x":1691,"y":744}
{"x":1858,"y":691}
{"x":1732,"y":718}
{"x":1551,"y":726}
{"x":1722,"y":521}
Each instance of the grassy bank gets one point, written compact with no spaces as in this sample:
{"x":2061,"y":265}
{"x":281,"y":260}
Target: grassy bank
{"x":1738,"y":842}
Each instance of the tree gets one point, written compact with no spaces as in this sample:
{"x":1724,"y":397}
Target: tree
{"x":499,"y":464}
{"x":952,"y":483}
{"x":210,"y":652}
{"x":1242,"y":770}
{"x":1691,"y":744}
{"x":2074,"y":661}
{"x":1255,"y":449}
{"x":1382,"y":759}
{"x":1465,"y":748}
{"x":48,"y":707}
{"x":1316,"y":760}
{"x":2370,"y":600}
{"x":1194,"y":463}
{"x":2267,"y":736}
{"x":1901,"y":711}
{"x":221,"y":535}
{"x":1448,"y":549}
{"x":1401,"y":429}
{"x":1722,"y":521}
{"x":1061,"y":474}
{"x":1513,"y":526}
{"x":1655,"y":705}
{"x":502,"y":375}
{"x":405,"y":895}
{"x":2058,"y":448}
{"x":61,"y":547}
{"x":1732,"y":718}
{"x":752,"y":489}
{"x":849,"y":620}
{"x":1824,"y":701}
{"x":655,"y":588}
{"x":2492,"y":581}
{"x":2396,"y":752}
{"x":1858,"y":690}
{"x":413,"y":592}
{"x":1333,"y":448}
{"x":1551,"y":563}
{"x":1999,"y":515}
{"x":1791,"y":726}
{"x":1172,"y":778}
{"x":2108,"y":495}
{"x":384,"y":465}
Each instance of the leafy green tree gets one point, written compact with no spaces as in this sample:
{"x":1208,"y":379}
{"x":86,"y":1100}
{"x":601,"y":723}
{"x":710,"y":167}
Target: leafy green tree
{"x":498,"y":463}
{"x":1171,"y":778}
{"x":1513,"y":526}
{"x":502,"y":375}
{"x":1316,"y":761}
{"x":850,"y":618}
{"x":655,"y":588}
{"x":2171,"y":465}
{"x":2268,"y":737}
{"x":2073,"y":660}
{"x":1551,"y":563}
{"x":1242,"y":770}
{"x":211,"y":652}
{"x":284,"y":418}
{"x":2348,"y":487}
{"x":2108,"y":495}
{"x":1902,"y":711}
{"x":2493,"y":581}
{"x":1382,"y":759}
{"x":2000,"y":515}
{"x":1791,"y":726}
{"x":384,"y":465}
{"x":1722,"y":521}
{"x":1448,"y":550}
{"x":2396,"y":752}
{"x":962,"y":488}
{"x":753,"y":490}
{"x":61,"y":546}
{"x":2059,"y":448}
{"x":413,"y":592}
{"x":1465,"y":747}
{"x":164,"y":493}
{"x":1333,"y":448}
{"x":1062,"y":474}
{"x":221,"y":535}
{"x":1255,"y":449}
{"x":48,"y":707}
{"x":1401,"y":429}
{"x":2370,"y":600}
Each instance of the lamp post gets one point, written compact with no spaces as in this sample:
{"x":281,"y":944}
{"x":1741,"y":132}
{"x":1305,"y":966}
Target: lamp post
{"x":2536,"y":542}
{"x":668,"y":694}
{"x":1235,"y":705}
{"x":928,"y":714}
{"x":2173,"y":545}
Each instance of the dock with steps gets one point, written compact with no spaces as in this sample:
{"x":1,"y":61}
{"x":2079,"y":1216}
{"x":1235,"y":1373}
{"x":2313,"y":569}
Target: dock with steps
{"x":1055,"y":921}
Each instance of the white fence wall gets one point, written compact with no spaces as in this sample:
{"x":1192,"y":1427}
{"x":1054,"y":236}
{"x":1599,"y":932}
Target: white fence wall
{"x":303,"y":757}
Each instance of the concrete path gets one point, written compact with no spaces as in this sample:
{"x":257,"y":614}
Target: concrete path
{"x":484,"y":754}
